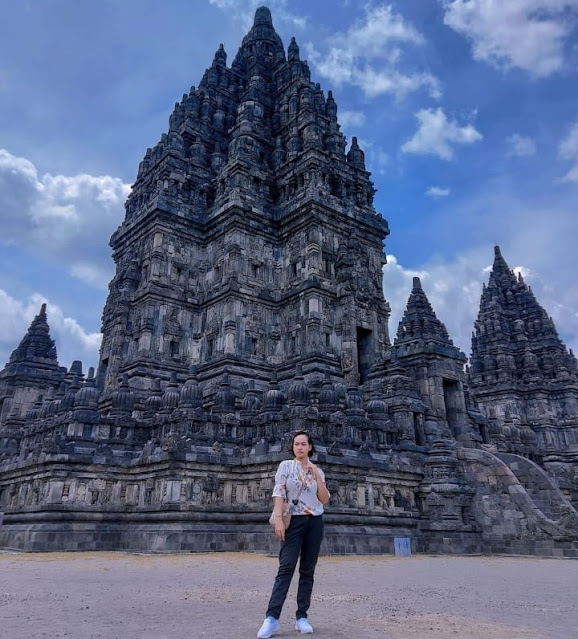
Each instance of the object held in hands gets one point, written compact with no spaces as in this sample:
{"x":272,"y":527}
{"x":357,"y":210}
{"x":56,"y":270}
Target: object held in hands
{"x":285,"y":516}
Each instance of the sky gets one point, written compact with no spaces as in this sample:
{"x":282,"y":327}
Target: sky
{"x":467,"y":111}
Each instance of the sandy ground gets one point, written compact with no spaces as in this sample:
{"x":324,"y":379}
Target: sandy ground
{"x":123,"y":596}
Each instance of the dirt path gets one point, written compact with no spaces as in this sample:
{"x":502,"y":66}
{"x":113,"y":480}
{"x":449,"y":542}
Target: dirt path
{"x":122,"y":596}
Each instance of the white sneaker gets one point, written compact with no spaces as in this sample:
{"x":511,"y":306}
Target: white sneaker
{"x":270,"y":625}
{"x":304,"y":627}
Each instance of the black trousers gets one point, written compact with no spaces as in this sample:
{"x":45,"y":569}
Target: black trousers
{"x":303,"y":537}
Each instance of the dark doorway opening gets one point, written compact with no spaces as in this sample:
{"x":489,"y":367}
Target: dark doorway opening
{"x":452,"y":403}
{"x":102,"y":373}
{"x":364,"y":353}
{"x":484,"y":434}
{"x":418,"y":429}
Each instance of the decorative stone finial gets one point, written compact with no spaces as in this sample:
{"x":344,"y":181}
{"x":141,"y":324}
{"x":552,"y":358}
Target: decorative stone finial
{"x":262,"y":16}
{"x":331,"y":106}
{"x":356,"y":156}
{"x":293,"y":51}
{"x":220,"y":58}
{"x":75,"y":368}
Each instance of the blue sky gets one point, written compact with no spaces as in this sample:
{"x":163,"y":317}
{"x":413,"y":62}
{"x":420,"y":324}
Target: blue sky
{"x":467,"y":111}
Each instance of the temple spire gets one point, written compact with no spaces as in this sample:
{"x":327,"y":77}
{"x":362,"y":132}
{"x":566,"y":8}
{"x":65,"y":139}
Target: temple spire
{"x":419,"y":322}
{"x":293,"y":51}
{"x":514,"y":337}
{"x":262,"y":47}
{"x":220,"y":58}
{"x":32,"y":370}
{"x":37,"y":343}
{"x":263,"y":16}
{"x":501,"y":273}
{"x":356,"y":156}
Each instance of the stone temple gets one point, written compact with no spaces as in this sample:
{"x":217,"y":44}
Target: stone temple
{"x":248,"y":303}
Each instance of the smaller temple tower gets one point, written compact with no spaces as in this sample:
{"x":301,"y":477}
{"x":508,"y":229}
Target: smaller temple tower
{"x":522,"y":375}
{"x":436,"y":367}
{"x":31,"y":371}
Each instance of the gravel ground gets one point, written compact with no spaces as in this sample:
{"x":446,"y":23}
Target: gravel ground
{"x":126,"y":596}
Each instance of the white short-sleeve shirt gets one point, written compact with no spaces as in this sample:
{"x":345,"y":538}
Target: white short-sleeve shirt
{"x":289,"y":480}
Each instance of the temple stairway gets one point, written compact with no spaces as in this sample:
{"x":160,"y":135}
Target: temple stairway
{"x":539,"y":486}
{"x":518,"y":507}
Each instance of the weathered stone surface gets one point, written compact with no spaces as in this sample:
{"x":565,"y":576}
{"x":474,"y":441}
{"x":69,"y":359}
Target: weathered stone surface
{"x":31,"y":372}
{"x":247,"y":303}
{"x":524,"y":379}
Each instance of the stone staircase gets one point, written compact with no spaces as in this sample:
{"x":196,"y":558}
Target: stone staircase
{"x":540,"y":488}
{"x":513,"y":487}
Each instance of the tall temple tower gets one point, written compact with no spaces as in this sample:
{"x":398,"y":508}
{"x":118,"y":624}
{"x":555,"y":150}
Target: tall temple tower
{"x":250,"y":241}
{"x":522,"y":375}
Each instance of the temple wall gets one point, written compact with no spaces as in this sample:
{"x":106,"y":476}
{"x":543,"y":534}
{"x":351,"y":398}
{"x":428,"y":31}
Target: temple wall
{"x":187,"y":507}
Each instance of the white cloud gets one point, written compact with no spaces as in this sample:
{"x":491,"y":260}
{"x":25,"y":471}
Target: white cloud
{"x":437,"y":134}
{"x":351,"y":119}
{"x":436,"y":191}
{"x":67,"y":218}
{"x":527,"y":34}
{"x":568,"y":150}
{"x":378,"y":160}
{"x":523,"y":271}
{"x":571,"y":175}
{"x":19,"y":166}
{"x":97,"y":276}
{"x":521,"y":146}
{"x":369,"y":56}
{"x":376,"y":157}
{"x":72,"y":341}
